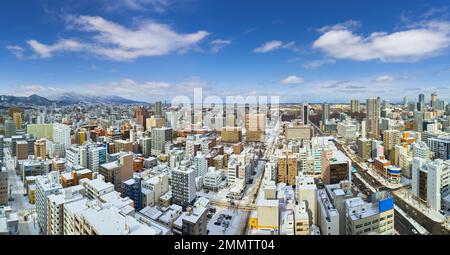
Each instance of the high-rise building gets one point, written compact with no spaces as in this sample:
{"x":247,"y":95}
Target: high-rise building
{"x":355,"y":106}
{"x":405,"y":102}
{"x":306,"y":191}
{"x":160,"y":136}
{"x":45,"y":186}
{"x":118,"y":171}
{"x":373,"y":117}
{"x":288,"y":168}
{"x":141,"y":115}
{"x":40,"y":149}
{"x":364,"y":218}
{"x":145,"y":144}
{"x":421,"y":103}
{"x":390,"y":139}
{"x":440,"y":146}
{"x":327,"y":215}
{"x":21,"y":150}
{"x":305,"y":113}
{"x":200,"y":164}
{"x":325,"y":112}
{"x":431,"y":181}
{"x":61,"y":134}
{"x":132,"y":188}
{"x":255,"y":125}
{"x":434,"y":100}
{"x":17,"y":117}
{"x":183,"y":186}
{"x":3,"y":186}
{"x":10,"y":128}
{"x":158,"y":109}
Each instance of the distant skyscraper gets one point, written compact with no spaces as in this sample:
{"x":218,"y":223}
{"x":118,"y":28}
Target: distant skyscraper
{"x":325,"y":112}
{"x":355,"y":106}
{"x":305,"y":115}
{"x":405,"y":102}
{"x":421,"y":103}
{"x":373,"y":116}
{"x":158,"y":108}
{"x":433,"y":100}
{"x":61,"y":134}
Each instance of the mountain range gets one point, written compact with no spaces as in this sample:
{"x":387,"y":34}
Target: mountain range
{"x":64,"y":99}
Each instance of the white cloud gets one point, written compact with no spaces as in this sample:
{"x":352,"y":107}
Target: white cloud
{"x":16,"y":50}
{"x":347,"y":25}
{"x":384,"y":78}
{"x":425,"y":40}
{"x":316,"y":63}
{"x":139,"y":5}
{"x":219,"y":44}
{"x":269,"y":46}
{"x":275,"y":45}
{"x":292,"y":80}
{"x":47,"y":51}
{"x":116,"y":42}
{"x":31,"y":89}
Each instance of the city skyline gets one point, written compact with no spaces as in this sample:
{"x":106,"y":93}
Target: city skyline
{"x":149,"y":50}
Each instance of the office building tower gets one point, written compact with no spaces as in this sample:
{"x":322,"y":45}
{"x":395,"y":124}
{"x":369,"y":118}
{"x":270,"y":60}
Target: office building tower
{"x":431,"y":181}
{"x":21,"y":150}
{"x":390,"y":139}
{"x":141,"y":115}
{"x":158,"y":109}
{"x":118,"y":171}
{"x":3,"y":186}
{"x":61,"y":134}
{"x":45,"y":186}
{"x":96,"y":155}
{"x":2,"y":144}
{"x":440,"y":146}
{"x":325,"y":112}
{"x":200,"y":165}
{"x":365,"y":148}
{"x":160,"y":136}
{"x":56,"y":204}
{"x":421,"y":103}
{"x":420,"y":149}
{"x":145,"y":145}
{"x":255,"y":126}
{"x":336,"y":166}
{"x":327,"y":215}
{"x":373,"y":117}
{"x":17,"y":117}
{"x":10,"y":128}
{"x":288,"y":168}
{"x":434,"y":100}
{"x":376,"y":217}
{"x":355,"y":106}
{"x":154,"y":122}
{"x":40,"y":149}
{"x":183,"y":186}
{"x":305,"y":113}
{"x":306,"y":190}
{"x":405,"y":102}
{"x":132,"y":188}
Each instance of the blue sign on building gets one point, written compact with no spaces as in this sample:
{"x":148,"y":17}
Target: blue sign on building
{"x":386,"y":204}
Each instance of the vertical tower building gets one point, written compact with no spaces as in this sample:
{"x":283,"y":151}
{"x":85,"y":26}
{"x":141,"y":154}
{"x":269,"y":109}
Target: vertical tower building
{"x":355,"y":105}
{"x":160,"y":136}
{"x":421,"y":103}
{"x":158,"y":108}
{"x":373,"y":117}
{"x":305,"y":115}
{"x":434,"y":100}
{"x":325,"y":112}
{"x":61,"y":134}
{"x":40,"y":149}
{"x":10,"y":128}
{"x":183,"y":186}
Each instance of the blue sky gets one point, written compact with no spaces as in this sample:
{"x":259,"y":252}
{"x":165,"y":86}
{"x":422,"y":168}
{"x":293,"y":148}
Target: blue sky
{"x":156,"y":49}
